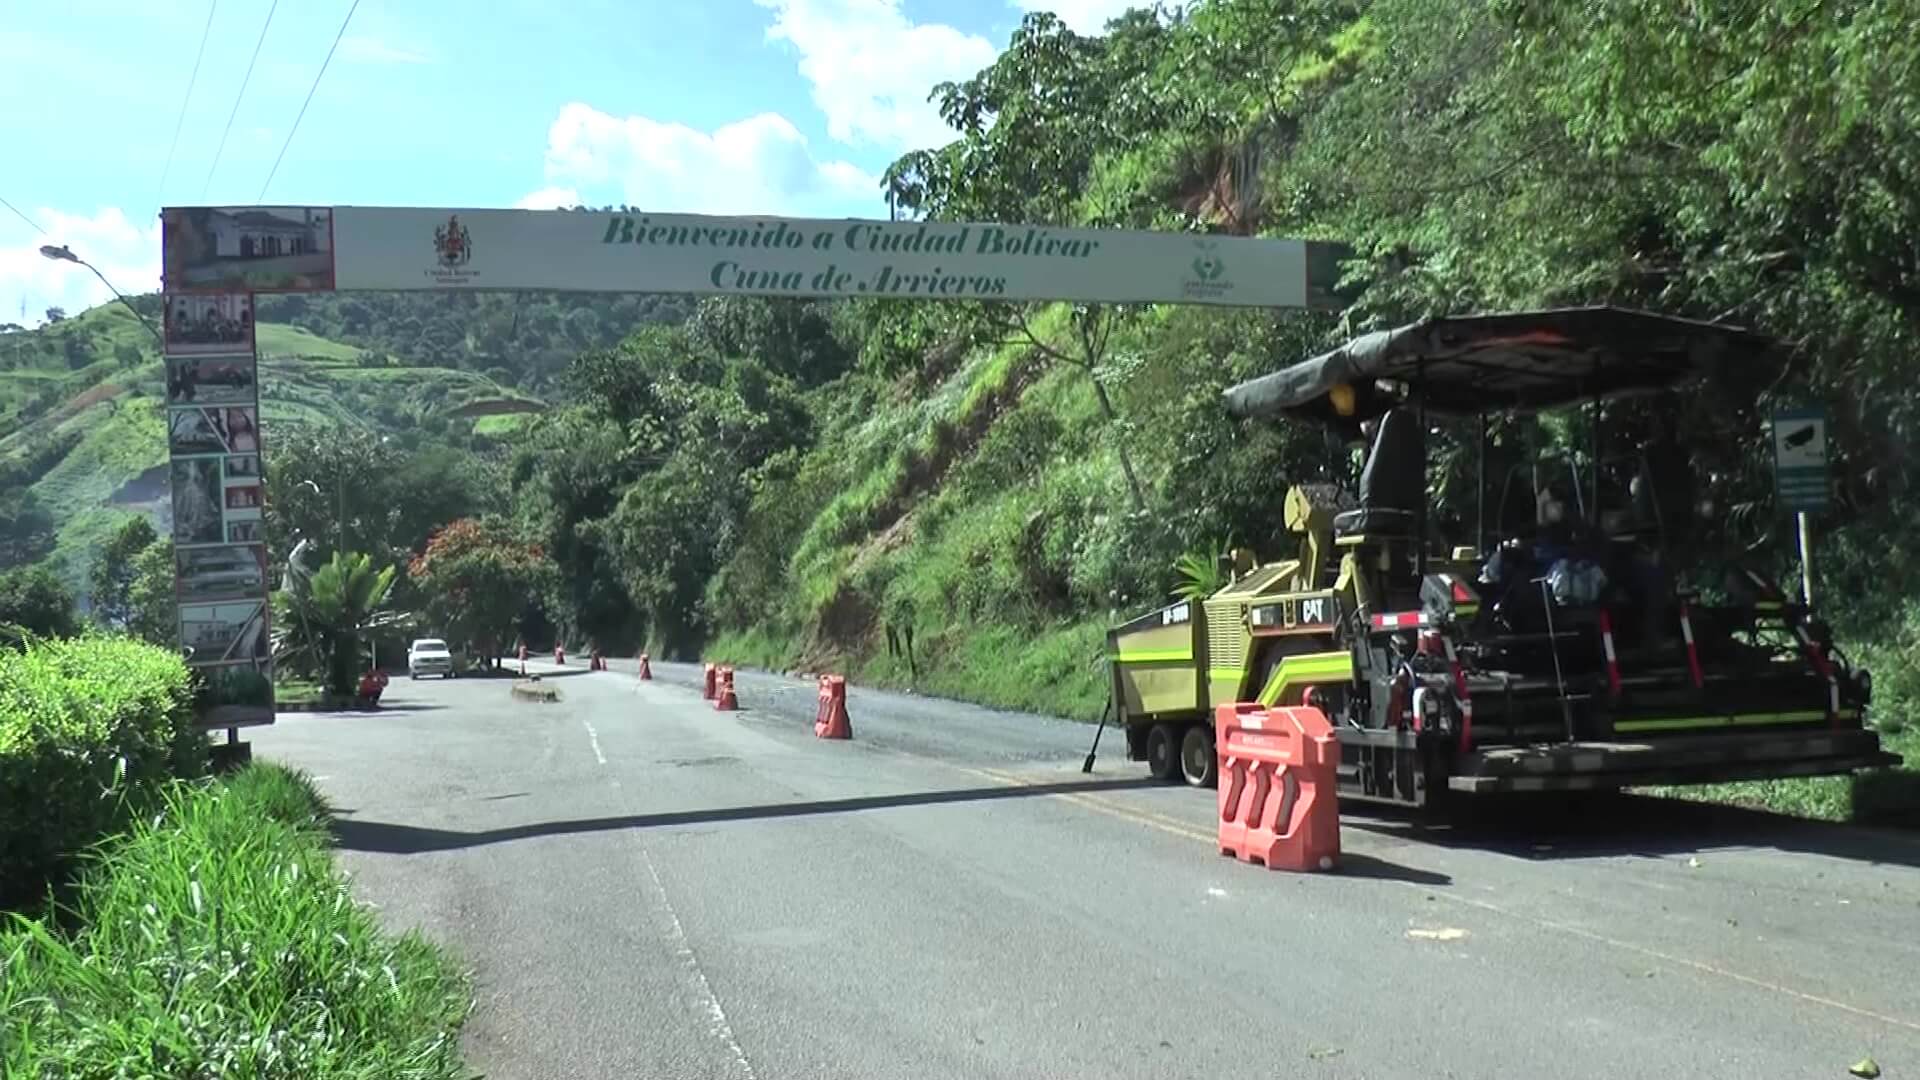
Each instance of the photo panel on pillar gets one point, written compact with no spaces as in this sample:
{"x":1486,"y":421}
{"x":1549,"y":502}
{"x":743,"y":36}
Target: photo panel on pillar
{"x":222,"y":379}
{"x":209,"y":323}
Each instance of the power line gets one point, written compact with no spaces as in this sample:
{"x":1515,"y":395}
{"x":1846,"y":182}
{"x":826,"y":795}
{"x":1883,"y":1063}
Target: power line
{"x":309,"y":101}
{"x":181,"y":120}
{"x":21,"y":214}
{"x":244,"y":80}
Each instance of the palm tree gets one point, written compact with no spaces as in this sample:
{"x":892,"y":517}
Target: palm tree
{"x":320,"y":618}
{"x":1200,"y":573}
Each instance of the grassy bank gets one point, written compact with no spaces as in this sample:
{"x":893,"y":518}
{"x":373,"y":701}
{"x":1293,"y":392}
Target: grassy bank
{"x":1888,"y":796}
{"x":296,"y":692}
{"x":1056,"y":672}
{"x":217,"y":939}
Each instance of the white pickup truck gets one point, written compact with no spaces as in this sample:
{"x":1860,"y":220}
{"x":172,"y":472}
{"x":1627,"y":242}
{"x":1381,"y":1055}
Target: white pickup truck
{"x":429,"y":656}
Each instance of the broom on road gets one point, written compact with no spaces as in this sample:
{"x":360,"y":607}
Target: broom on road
{"x":1087,"y":765}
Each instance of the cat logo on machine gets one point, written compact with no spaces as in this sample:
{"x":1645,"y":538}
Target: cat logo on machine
{"x":1314,"y":610}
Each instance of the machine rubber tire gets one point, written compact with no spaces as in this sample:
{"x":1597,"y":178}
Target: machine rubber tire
{"x":414,"y":675}
{"x":1198,"y":765}
{"x":1163,"y":752}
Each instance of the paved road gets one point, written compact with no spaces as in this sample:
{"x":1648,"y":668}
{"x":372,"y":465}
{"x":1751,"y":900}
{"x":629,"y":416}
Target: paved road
{"x":646,"y":888}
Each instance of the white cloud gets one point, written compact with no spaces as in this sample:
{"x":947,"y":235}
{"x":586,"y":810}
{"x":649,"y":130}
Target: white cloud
{"x":373,"y":50}
{"x":550,"y":198}
{"x":760,"y":165}
{"x":871,"y":68}
{"x":127,"y":253}
{"x":1083,"y":16}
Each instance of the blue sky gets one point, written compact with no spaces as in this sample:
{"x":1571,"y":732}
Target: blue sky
{"x":714,"y":106}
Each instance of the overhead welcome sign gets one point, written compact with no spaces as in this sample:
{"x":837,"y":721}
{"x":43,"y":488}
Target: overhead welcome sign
{"x":287,"y":249}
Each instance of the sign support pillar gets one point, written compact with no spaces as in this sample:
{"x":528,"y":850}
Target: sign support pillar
{"x":1806,"y":559}
{"x":1799,"y":439}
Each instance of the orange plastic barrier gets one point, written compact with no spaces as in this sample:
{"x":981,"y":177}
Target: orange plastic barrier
{"x":712,"y":676}
{"x":832,"y":722}
{"x":725,"y":701}
{"x":559,"y":656}
{"x":1278,"y":797}
{"x":646,"y":669}
{"x":594,"y":662}
{"x":523,"y":659}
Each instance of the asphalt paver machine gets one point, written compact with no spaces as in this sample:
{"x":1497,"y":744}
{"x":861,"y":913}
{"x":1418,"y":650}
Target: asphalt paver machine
{"x":1570,"y":643}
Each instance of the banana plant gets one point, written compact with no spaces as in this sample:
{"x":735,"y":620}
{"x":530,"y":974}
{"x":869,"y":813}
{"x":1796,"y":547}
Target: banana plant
{"x":321,"y":618}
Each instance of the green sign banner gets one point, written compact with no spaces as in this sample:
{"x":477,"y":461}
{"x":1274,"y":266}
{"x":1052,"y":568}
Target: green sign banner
{"x":266,"y":249}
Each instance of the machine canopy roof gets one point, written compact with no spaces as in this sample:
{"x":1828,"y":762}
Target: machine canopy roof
{"x":1513,"y":362}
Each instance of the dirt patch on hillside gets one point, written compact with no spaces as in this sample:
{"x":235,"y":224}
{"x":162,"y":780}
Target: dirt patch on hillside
{"x":951,"y":442}
{"x":850,"y":622}
{"x":90,"y":397}
{"x":149,"y":487}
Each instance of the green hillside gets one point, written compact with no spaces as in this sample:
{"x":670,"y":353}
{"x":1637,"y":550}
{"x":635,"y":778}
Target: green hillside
{"x":82,"y":426}
{"x":518,"y":339}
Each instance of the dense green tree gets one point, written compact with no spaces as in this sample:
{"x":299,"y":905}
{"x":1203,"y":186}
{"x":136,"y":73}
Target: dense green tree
{"x":33,"y":600}
{"x":478,"y":579}
{"x":567,"y":473}
{"x":394,"y":490}
{"x":668,"y":536}
{"x":793,"y":338}
{"x":26,"y":528}
{"x":115,"y":569}
{"x":152,"y":613}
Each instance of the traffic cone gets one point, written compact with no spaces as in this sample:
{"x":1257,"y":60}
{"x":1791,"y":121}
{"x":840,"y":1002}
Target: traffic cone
{"x":707,"y":688}
{"x":560,"y":656}
{"x":726,"y":701}
{"x":646,"y":670}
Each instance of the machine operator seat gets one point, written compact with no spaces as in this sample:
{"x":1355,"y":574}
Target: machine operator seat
{"x":1393,"y":482}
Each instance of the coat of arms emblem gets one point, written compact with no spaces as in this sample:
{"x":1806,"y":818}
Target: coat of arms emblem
{"x":453,"y":243}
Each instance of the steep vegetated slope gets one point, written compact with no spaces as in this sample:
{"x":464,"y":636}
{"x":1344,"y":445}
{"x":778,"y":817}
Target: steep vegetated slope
{"x":987,"y":521}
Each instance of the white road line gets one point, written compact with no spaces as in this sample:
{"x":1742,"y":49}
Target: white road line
{"x":701,"y":990}
{"x":704,"y":997}
{"x":594,"y":737}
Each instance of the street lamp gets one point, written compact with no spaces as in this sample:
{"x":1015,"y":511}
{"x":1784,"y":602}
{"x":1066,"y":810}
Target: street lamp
{"x":340,"y":515}
{"x":63,"y":253}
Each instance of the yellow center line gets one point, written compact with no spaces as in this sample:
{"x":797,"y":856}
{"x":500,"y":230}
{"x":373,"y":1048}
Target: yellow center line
{"x":1182,"y":829}
{"x":1096,"y":804}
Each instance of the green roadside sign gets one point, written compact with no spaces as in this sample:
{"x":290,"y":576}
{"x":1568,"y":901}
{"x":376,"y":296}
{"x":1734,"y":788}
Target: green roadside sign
{"x":1800,"y":459}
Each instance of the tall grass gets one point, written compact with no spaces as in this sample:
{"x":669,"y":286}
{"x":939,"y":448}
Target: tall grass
{"x":217,"y":939}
